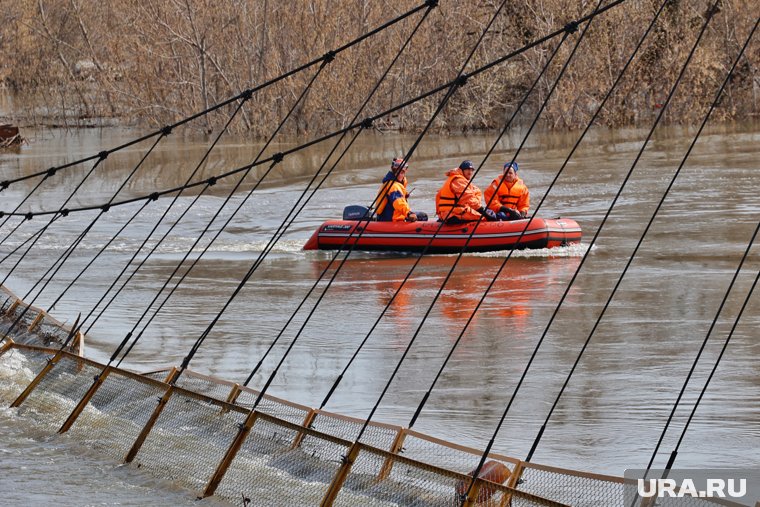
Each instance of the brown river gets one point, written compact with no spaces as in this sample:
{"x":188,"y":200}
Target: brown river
{"x":616,"y":403}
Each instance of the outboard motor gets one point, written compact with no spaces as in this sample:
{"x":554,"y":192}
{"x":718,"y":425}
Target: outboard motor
{"x":355,"y":212}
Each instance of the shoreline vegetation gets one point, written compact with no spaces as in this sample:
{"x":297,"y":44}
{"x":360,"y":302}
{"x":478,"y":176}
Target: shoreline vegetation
{"x":77,"y":63}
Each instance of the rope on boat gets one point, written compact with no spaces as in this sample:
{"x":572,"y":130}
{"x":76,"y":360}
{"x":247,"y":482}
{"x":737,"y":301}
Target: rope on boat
{"x":246,"y":93}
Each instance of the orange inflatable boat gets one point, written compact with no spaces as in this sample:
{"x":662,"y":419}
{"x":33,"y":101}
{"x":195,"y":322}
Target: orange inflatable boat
{"x":415,"y":236}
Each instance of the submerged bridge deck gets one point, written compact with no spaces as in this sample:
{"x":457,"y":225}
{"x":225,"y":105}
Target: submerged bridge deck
{"x":222,"y":438}
{"x":201,"y":433}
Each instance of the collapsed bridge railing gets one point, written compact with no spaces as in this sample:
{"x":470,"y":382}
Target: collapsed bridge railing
{"x":288,"y":453}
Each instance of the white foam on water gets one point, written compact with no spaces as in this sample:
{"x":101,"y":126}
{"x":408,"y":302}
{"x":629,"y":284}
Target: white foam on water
{"x":573,"y":250}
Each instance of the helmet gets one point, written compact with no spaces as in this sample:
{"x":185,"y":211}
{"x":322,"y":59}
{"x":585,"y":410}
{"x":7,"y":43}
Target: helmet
{"x":513,"y":165}
{"x":466,"y":165}
{"x":398,"y":164}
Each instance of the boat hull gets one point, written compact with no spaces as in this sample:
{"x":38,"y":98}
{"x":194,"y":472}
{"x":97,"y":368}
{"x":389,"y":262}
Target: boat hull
{"x":416,"y":236}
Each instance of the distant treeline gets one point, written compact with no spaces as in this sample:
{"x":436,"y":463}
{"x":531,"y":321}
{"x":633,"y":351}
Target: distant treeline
{"x":152,"y":62}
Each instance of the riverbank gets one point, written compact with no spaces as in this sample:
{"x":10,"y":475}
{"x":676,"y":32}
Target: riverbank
{"x":130,"y":63}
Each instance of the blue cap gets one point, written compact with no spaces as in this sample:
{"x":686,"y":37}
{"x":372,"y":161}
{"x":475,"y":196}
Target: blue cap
{"x":466,"y":165}
{"x":511,"y":164}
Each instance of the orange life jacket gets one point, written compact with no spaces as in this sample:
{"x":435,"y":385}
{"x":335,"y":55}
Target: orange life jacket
{"x":447,"y":205}
{"x":514,"y":197}
{"x":391,"y":200}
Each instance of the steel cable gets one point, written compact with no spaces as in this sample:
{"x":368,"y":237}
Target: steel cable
{"x":207,"y":183}
{"x":540,"y":204}
{"x":216,"y":215}
{"x":5,"y":183}
{"x":47,"y":277}
{"x":643,"y":235}
{"x":596,"y":235}
{"x":443,"y":221}
{"x":736,"y":273}
{"x":456,"y":83}
{"x":61,"y":211}
{"x":290,"y":221}
{"x":15,"y":210}
{"x":461,"y":253}
{"x":356,"y":125}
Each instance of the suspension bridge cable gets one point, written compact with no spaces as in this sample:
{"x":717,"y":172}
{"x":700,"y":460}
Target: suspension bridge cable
{"x":27,"y":240}
{"x":61,"y":211}
{"x":292,"y":214}
{"x":118,"y":233}
{"x":48,"y":277}
{"x":298,"y":101}
{"x":461,"y":252}
{"x":330,"y":54}
{"x":92,"y":261}
{"x":540,"y":204}
{"x":503,"y":417}
{"x":250,"y":272}
{"x":207,"y":184}
{"x":491,"y":442}
{"x":184,"y":364}
{"x":564,"y":30}
{"x":641,"y":238}
{"x":333,"y":277}
{"x":674,"y":453}
{"x":456,"y":81}
{"x":18,"y":206}
{"x":736,"y":273}
{"x":361,"y":124}
{"x":508,"y":124}
{"x":153,"y":196}
{"x":456,"y":84}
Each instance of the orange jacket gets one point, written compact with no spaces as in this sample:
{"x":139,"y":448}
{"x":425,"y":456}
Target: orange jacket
{"x":514,"y":195}
{"x":470,"y":196}
{"x":396,"y":196}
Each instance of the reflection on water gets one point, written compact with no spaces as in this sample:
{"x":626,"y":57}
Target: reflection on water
{"x":616,"y":404}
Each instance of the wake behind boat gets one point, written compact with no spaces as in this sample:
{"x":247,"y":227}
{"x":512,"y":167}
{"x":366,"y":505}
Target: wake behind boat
{"x":370,"y":235}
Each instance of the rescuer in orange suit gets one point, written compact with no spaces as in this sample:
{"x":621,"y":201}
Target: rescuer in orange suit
{"x":512,"y":199}
{"x":459,"y":200}
{"x":392,"y":204}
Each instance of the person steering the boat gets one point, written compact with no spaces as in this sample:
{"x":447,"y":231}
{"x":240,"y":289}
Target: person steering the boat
{"x":391,"y":198}
{"x":459,"y":200}
{"x":512,"y":199}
